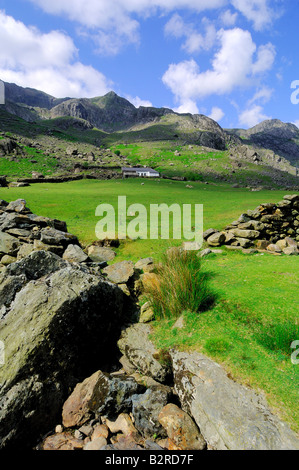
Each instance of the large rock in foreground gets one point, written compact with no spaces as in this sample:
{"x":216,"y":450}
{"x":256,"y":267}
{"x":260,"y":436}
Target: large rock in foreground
{"x":229,"y":415}
{"x":56,"y":322}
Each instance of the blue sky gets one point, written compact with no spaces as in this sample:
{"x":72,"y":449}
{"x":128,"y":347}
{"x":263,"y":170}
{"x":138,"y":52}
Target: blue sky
{"x":232,"y":60}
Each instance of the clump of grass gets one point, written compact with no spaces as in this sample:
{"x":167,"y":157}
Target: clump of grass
{"x":217,"y":345}
{"x":278,"y":338}
{"x":179,"y":284}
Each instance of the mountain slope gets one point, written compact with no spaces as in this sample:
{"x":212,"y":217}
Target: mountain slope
{"x":112,"y":113}
{"x":275,"y":142}
{"x":282,"y":138}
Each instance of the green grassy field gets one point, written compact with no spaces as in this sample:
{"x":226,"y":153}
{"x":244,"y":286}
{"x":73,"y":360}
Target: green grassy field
{"x":250,"y":328}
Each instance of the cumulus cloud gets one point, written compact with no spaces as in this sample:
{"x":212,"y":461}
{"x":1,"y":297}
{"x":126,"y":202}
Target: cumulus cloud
{"x":188,"y":106}
{"x":252,"y":116}
{"x":216,"y":114}
{"x":236,"y":64}
{"x":259,"y":12}
{"x":48,"y":62}
{"x":228,"y":18}
{"x":137,"y":102}
{"x":194,"y":40}
{"x":115,"y":23}
{"x":296,"y":123}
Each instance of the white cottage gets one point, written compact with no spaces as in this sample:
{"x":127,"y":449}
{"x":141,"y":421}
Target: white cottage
{"x":140,"y":172}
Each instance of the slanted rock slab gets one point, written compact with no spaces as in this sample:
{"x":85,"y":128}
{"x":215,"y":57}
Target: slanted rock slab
{"x":229,"y":415}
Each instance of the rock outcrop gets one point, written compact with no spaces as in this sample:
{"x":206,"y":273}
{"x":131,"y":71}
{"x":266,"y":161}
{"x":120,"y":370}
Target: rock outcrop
{"x":59,"y":317}
{"x":229,"y":415}
{"x":57,"y":321}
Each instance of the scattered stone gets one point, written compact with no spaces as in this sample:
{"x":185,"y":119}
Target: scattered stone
{"x":98,"y":394}
{"x":101,"y":430}
{"x":208,"y":233}
{"x":146,"y":409}
{"x":290,"y":251}
{"x":96,"y":444}
{"x":18,"y":206}
{"x":9,"y":245}
{"x":275,"y":248}
{"x":98,"y":253}
{"x":204,"y":253}
{"x":144,"y":263}
{"x":191,"y":246}
{"x":63,"y":441}
{"x":75,"y":254}
{"x":86,"y":430}
{"x":217,"y":239}
{"x":146,"y":313}
{"x":268,"y":225}
{"x":180,"y":323}
{"x":6,"y":260}
{"x":120,"y":273}
{"x":134,"y":343}
{"x":123,"y":424}
{"x":181,"y":429}
{"x":52,"y":236}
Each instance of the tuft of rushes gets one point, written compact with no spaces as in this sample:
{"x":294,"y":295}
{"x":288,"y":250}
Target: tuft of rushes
{"x":180,"y":284}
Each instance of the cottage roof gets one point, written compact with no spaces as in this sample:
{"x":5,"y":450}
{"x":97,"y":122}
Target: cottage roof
{"x":139,"y":169}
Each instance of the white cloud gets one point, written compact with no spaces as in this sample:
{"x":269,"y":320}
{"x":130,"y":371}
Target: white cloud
{"x":47,"y":62}
{"x":252,"y":116}
{"x":228,"y":18}
{"x":188,"y":106}
{"x":137,"y":102}
{"x":258,"y":11}
{"x":234,"y":65}
{"x":265,"y":58}
{"x":195,"y":41}
{"x":112,"y":24}
{"x":296,"y":123}
{"x":263,"y":95}
{"x":24,"y":46}
{"x":216,"y":114}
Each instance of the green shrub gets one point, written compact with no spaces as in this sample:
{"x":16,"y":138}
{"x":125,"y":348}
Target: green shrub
{"x":180,"y":284}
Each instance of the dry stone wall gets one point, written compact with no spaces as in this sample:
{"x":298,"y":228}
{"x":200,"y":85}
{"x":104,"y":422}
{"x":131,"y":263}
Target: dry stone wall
{"x":271,"y":227}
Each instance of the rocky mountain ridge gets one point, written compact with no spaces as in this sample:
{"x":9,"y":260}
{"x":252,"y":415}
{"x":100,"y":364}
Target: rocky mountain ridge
{"x":272,"y":142}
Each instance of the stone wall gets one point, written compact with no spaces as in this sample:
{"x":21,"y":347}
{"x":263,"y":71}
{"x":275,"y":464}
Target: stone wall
{"x":271,"y":227}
